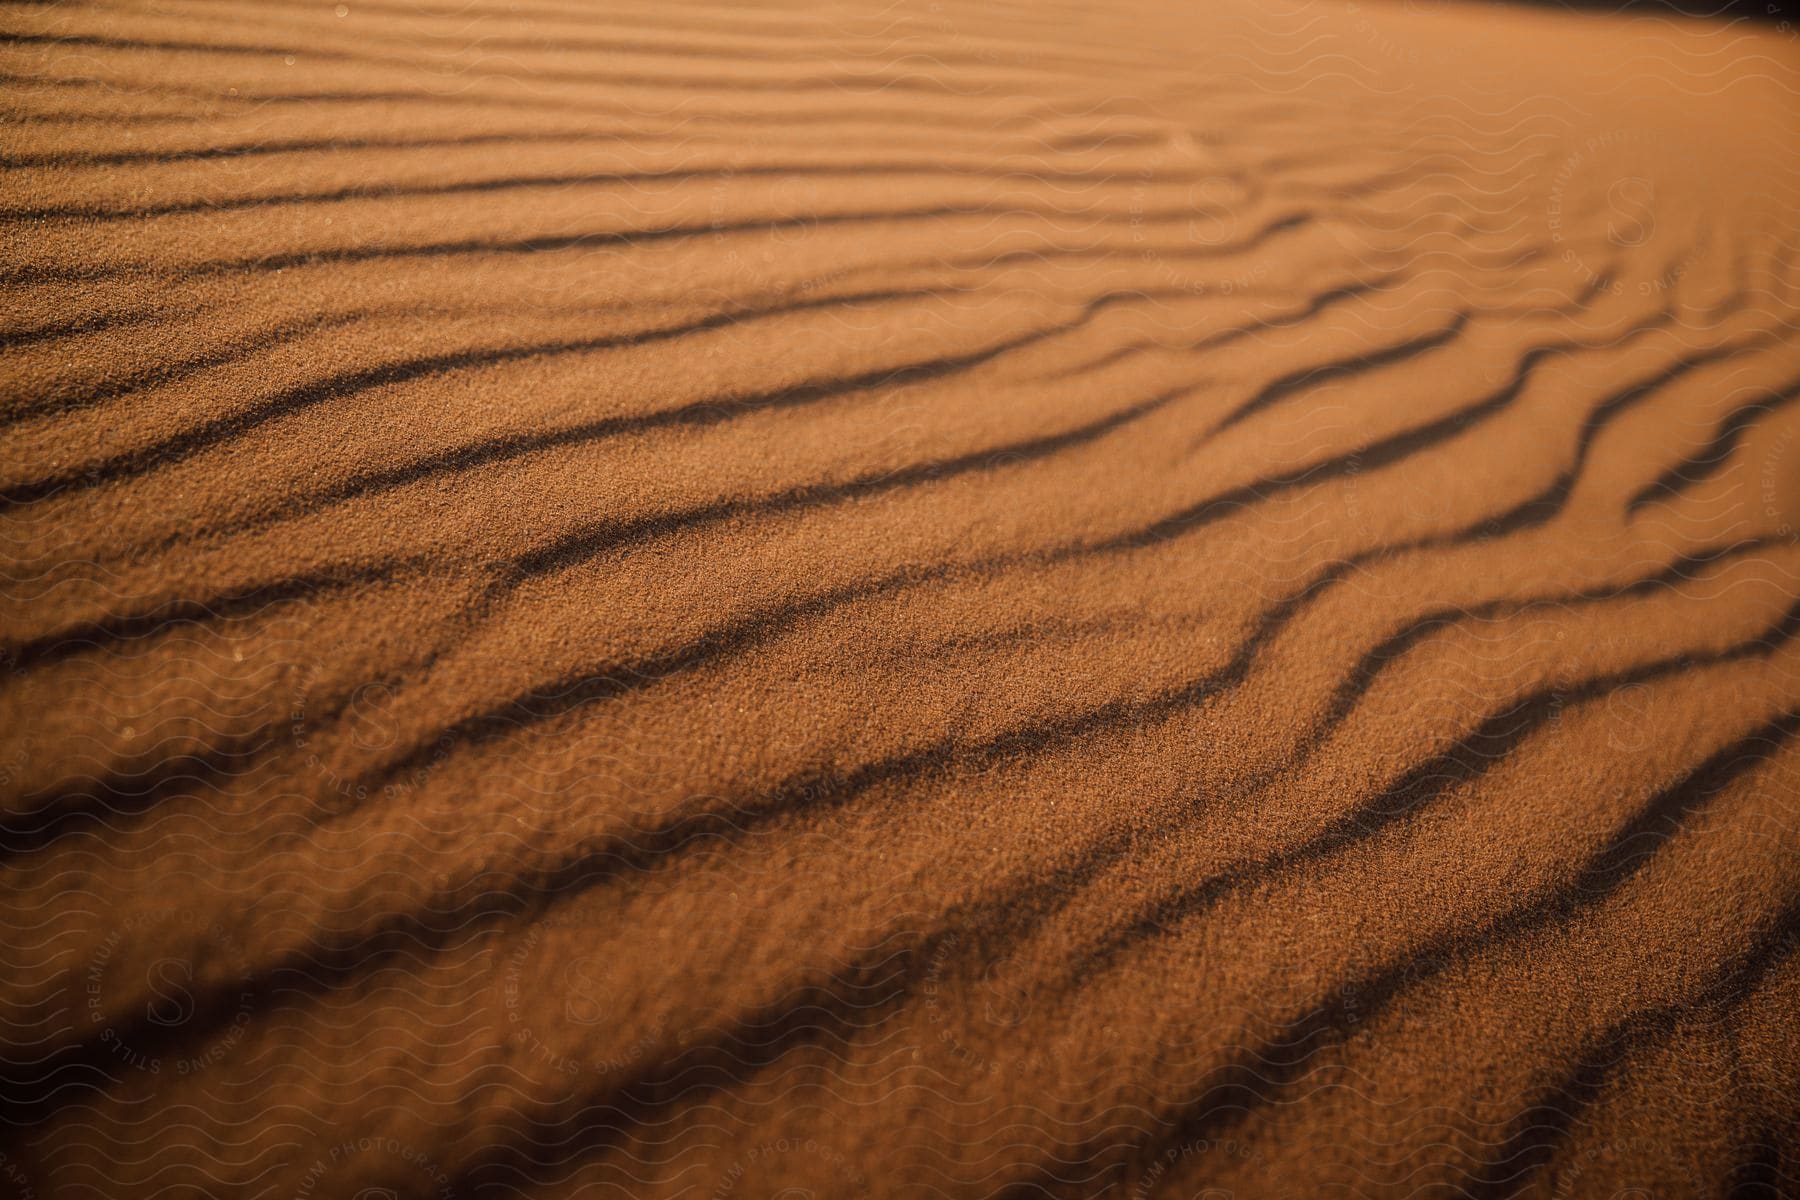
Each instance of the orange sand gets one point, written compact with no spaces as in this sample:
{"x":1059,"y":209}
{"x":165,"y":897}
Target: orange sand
{"x":898,"y":599}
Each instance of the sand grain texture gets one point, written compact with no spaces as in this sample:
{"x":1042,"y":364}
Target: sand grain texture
{"x":895,"y":599}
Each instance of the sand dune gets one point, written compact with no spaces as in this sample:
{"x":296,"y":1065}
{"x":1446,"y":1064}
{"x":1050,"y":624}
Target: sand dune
{"x":898,"y":599}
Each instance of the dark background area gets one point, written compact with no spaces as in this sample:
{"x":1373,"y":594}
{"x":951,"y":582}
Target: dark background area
{"x":1766,"y":10}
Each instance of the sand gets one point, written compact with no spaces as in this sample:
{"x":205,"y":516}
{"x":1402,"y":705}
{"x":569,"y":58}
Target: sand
{"x":898,"y":599}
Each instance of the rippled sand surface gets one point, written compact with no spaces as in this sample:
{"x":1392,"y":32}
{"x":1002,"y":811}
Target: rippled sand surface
{"x":898,"y":599}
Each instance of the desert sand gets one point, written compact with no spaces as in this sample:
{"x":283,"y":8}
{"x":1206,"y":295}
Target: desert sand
{"x":898,"y":599}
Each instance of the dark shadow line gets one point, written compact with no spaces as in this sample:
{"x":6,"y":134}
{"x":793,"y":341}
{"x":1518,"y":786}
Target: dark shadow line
{"x":547,"y":243}
{"x":1710,"y":459}
{"x":1260,"y":1074}
{"x":1466,"y":760}
{"x":1314,"y":306}
{"x":1374,"y":455}
{"x":1540,"y":1130}
{"x":36,"y":1091}
{"x":586,"y":544}
{"x":1232,"y":673}
{"x":1267,"y":232}
{"x":608,"y":682}
{"x":1533,"y":512}
{"x":123,"y":158}
{"x":1355,"y":686}
{"x":161,"y":375}
{"x":516,"y":713}
{"x":875,"y":82}
{"x":542,"y":244}
{"x":1757,"y":1173}
{"x":614,"y":681}
{"x":697,"y":414}
{"x":841,"y":1006}
{"x":90,"y":322}
{"x":326,"y":145}
{"x":179,"y":446}
{"x":43,"y":819}
{"x":106,"y":631}
{"x":1330,"y":372}
{"x":523,"y":182}
{"x":1395,"y":447}
{"x":248,"y":104}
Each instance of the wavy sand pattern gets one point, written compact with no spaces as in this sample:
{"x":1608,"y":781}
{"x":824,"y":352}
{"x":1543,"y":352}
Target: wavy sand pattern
{"x":864,"y":599}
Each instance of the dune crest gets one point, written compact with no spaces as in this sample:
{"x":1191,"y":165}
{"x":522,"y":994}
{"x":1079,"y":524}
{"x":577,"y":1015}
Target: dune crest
{"x":898,"y":599}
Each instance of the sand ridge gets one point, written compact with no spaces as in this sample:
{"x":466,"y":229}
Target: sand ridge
{"x":897,"y":599}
